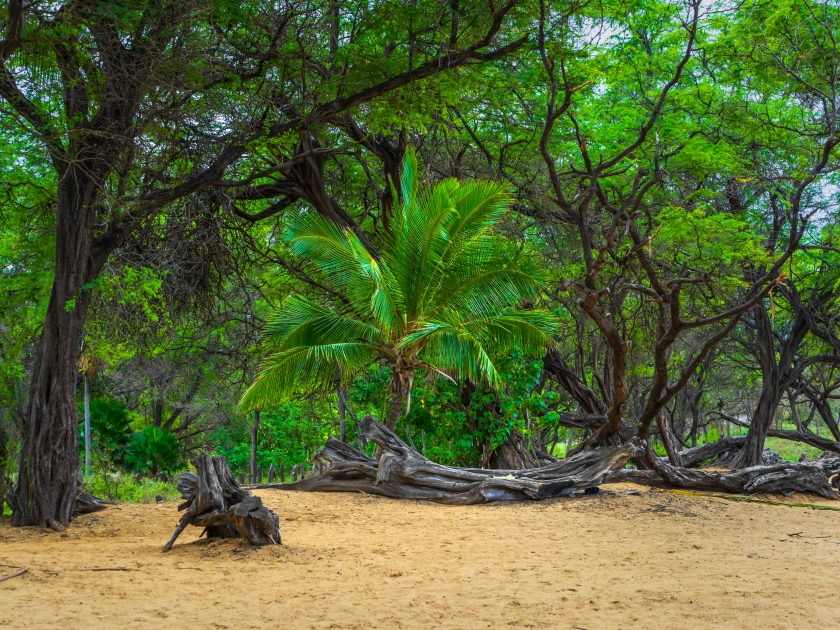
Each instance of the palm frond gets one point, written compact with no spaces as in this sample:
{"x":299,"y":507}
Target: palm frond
{"x":305,"y":368}
{"x":332,"y":249}
{"x":300,"y":322}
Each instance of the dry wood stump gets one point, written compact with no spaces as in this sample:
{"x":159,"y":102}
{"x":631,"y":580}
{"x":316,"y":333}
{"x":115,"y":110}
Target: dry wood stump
{"x":216,"y":502}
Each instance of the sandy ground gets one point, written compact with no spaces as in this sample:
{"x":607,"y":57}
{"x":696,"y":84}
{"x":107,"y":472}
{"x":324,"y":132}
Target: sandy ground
{"x":615,"y":560}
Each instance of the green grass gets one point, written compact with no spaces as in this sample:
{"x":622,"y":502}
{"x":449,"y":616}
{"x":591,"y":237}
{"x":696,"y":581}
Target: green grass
{"x":123,"y":488}
{"x":791,"y":451}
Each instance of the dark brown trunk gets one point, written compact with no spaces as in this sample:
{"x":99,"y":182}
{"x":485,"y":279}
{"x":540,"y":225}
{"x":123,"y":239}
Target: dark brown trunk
{"x":45,"y":494}
{"x":775,"y":376}
{"x":402,"y":377}
{"x":584,"y":395}
{"x":668,"y":440}
{"x":513,"y":454}
{"x":342,"y":414}
{"x":768,"y":402}
{"x":157,"y":409}
{"x":397,"y":398}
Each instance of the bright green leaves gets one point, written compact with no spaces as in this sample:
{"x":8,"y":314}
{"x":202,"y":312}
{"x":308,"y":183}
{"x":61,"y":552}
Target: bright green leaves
{"x":708,"y":241}
{"x":445,"y":293}
{"x":153,"y":450}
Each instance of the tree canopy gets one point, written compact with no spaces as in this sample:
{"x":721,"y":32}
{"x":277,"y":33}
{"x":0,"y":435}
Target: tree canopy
{"x":615,"y":220}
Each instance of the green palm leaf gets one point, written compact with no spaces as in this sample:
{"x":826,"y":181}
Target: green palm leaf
{"x":442,"y":293}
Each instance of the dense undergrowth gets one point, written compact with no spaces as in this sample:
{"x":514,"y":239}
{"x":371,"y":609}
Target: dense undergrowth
{"x":123,"y":488}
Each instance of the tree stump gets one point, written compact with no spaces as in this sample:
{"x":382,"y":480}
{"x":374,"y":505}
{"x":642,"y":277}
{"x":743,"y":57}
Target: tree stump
{"x":216,"y":502}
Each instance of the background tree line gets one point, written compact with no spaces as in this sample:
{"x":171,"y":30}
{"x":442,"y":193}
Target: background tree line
{"x":672,"y":169}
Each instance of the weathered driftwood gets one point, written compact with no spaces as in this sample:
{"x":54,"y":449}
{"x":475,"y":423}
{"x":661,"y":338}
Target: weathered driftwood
{"x":404,"y":473}
{"x":216,"y":502}
{"x":783,"y":478}
{"x":697,"y":455}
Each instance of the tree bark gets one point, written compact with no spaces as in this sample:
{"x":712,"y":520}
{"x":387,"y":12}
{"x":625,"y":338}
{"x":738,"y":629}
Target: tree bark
{"x":668,"y":440}
{"x":513,"y":454}
{"x":402,"y":377}
{"x":45,"y":494}
{"x":774,"y":376}
{"x":786,"y":478}
{"x":342,"y":414}
{"x":215,"y":502}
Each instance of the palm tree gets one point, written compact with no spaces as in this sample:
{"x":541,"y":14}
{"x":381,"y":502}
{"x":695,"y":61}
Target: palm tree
{"x":441,"y":295}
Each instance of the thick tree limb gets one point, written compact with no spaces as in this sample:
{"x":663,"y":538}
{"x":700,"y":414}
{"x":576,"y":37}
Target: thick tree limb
{"x":785,"y":478}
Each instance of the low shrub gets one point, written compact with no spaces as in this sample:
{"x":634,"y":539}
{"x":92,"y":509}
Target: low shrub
{"x":124,"y":488}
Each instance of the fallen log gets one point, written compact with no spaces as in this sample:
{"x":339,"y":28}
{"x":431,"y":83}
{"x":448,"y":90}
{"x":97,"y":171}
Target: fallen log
{"x":784,"y":478}
{"x":697,"y":455}
{"x":403,"y":473}
{"x":216,"y":502}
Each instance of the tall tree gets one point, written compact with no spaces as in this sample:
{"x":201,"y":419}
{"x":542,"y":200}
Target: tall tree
{"x":140,"y":104}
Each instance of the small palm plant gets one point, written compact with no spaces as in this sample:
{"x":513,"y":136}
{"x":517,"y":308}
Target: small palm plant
{"x":441,"y":295}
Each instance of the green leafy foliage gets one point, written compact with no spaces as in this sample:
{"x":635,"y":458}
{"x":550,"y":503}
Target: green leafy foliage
{"x":110,"y":427}
{"x":153,"y":450}
{"x":442,"y":295}
{"x":290,"y":434}
{"x":119,"y":487}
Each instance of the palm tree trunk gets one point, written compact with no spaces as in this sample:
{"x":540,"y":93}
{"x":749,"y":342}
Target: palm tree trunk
{"x":397,"y":397}
{"x":342,"y":414}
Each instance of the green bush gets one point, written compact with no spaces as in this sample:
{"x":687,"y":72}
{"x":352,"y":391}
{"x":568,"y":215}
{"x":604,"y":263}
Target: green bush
{"x":123,"y":488}
{"x":153,"y":450}
{"x":110,"y":427}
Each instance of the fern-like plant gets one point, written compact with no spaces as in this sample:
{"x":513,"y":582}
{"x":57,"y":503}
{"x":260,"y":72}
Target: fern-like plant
{"x":444,"y":293}
{"x":153,"y":450}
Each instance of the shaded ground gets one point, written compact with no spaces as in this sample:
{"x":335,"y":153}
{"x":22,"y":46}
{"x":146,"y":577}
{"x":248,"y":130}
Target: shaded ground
{"x":614,"y":560}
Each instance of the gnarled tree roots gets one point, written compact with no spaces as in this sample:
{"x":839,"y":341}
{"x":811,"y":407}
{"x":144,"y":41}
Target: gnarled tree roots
{"x":783,"y":478}
{"x":403,"y":473}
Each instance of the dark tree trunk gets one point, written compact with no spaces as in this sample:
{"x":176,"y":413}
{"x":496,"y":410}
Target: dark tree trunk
{"x":513,"y":454}
{"x":342,"y":414}
{"x":775,"y":377}
{"x":668,"y":440}
{"x":402,"y":376}
{"x":584,"y":395}
{"x":768,"y":402}
{"x":695,"y":418}
{"x":396,"y":408}
{"x":45,"y":494}
{"x":215,"y":502}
